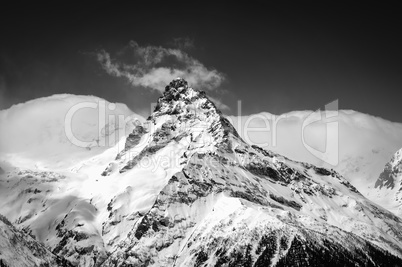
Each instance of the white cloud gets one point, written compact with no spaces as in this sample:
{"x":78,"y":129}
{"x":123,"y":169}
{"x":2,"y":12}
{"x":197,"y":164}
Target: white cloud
{"x":155,"y":66}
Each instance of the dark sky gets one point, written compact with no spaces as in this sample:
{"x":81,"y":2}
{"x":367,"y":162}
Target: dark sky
{"x":274,"y":58}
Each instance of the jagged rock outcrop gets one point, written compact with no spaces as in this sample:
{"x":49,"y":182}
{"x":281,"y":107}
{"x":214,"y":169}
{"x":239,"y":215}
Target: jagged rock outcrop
{"x":20,"y":249}
{"x":392,"y":171}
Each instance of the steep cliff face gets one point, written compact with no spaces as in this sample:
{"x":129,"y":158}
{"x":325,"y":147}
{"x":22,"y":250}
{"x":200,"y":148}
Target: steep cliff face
{"x":388,"y":187}
{"x":185,"y":190}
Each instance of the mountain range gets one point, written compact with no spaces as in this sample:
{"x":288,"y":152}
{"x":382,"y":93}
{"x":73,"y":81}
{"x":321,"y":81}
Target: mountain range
{"x":183,"y":188}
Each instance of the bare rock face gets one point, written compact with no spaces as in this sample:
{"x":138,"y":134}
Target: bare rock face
{"x":132,"y":140}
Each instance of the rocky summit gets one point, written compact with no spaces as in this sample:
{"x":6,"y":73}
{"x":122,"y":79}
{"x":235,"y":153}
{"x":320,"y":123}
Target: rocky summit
{"x":184,"y":189}
{"x":388,"y":187}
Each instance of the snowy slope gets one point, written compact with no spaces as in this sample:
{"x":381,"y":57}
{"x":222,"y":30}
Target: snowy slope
{"x":184,"y":189}
{"x":366,"y":143}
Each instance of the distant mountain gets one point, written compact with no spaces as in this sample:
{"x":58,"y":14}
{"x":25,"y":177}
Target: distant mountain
{"x":39,"y":129}
{"x":366,"y":143}
{"x":184,"y":189}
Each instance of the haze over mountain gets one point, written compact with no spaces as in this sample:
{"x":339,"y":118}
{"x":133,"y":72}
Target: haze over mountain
{"x":39,"y":129}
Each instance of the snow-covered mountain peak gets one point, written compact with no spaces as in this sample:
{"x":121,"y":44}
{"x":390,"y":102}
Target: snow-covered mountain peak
{"x":185,"y":103}
{"x":178,"y":90}
{"x":179,"y":97}
{"x":183,"y":117}
{"x":177,"y":85}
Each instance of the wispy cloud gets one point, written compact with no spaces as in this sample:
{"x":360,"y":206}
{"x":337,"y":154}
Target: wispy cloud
{"x":154,"y":67}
